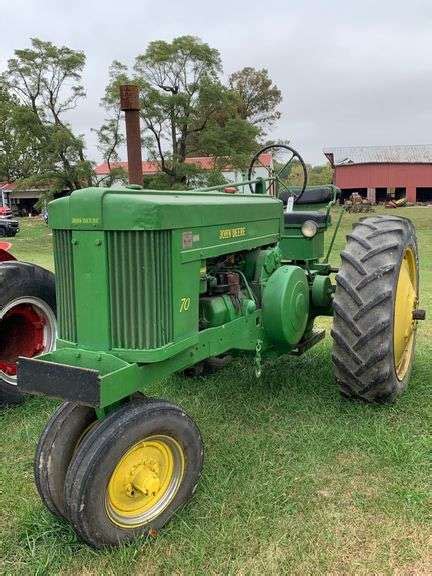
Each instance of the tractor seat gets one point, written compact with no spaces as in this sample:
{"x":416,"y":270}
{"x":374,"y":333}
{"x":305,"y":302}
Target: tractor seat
{"x":311,"y":195}
{"x":297,"y":218}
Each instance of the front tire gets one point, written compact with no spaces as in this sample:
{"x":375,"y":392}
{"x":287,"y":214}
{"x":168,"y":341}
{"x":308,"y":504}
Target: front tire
{"x":59,"y":440}
{"x":132,"y":472}
{"x":376,"y":295}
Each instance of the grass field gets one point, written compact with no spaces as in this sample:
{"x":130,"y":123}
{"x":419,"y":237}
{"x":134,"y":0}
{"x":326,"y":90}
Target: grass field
{"x":296,"y":480}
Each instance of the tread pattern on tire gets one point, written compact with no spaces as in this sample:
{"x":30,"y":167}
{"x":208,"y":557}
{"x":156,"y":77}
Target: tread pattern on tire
{"x":364,"y":305}
{"x":58,"y":442}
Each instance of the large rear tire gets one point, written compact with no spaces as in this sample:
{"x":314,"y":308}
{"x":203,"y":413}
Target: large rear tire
{"x":376,"y":297}
{"x":27,"y":320}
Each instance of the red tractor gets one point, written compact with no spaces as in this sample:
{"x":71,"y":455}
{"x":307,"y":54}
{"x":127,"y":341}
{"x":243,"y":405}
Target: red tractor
{"x":27,"y":318}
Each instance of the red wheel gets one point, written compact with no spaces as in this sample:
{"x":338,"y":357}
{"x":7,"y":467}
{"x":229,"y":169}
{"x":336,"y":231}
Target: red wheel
{"x":4,"y":252}
{"x":27,"y":320}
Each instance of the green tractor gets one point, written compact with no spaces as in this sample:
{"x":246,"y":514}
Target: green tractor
{"x":150,"y":283}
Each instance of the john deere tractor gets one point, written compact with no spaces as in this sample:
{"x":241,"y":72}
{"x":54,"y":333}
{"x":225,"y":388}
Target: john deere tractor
{"x":150,"y":283}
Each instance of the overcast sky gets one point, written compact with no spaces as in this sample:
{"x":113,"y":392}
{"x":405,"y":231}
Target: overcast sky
{"x":352,"y":72}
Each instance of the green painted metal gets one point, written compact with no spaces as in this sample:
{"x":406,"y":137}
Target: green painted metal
{"x":65,"y":284}
{"x":125,"y":209}
{"x":217,"y":310}
{"x":141,"y":281}
{"x":91,"y":295}
{"x":294,"y":246}
{"x":286,"y":305}
{"x":321,"y":292}
{"x":333,"y":238}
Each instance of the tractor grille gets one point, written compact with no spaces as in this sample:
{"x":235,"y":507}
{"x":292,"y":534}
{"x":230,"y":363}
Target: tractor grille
{"x":63,"y":260}
{"x":140,"y":288}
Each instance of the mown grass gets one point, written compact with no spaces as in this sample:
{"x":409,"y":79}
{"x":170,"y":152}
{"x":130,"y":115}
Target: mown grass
{"x":296,"y":480}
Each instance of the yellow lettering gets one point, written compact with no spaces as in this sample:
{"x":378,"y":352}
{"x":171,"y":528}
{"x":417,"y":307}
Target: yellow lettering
{"x":227,"y":233}
{"x":85,"y":220}
{"x":185,"y":304}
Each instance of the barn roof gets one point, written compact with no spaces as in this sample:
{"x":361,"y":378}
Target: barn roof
{"x":401,"y":154}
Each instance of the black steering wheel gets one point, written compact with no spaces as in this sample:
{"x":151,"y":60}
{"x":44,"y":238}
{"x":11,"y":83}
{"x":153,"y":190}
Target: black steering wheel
{"x":284,"y":155}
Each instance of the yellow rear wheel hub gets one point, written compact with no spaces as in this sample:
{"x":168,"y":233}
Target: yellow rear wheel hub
{"x":145,"y":481}
{"x":405,"y":303}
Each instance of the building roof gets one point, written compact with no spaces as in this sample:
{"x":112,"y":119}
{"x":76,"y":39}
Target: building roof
{"x":151,"y":167}
{"x":7,"y":186}
{"x":401,"y":154}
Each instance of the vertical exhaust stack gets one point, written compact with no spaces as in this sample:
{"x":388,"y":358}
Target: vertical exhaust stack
{"x":129,"y":104}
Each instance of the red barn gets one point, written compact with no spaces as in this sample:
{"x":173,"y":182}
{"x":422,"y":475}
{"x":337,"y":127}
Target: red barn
{"x":377,"y":172}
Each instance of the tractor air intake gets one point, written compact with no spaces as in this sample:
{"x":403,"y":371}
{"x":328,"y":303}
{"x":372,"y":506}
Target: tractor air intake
{"x":139,"y":288}
{"x":139,"y":265}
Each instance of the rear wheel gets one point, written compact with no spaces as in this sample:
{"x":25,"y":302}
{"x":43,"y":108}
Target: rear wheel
{"x":27,"y":320}
{"x":375,"y":304}
{"x":132,"y":472}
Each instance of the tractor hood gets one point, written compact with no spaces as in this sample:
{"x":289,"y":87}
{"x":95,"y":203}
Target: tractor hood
{"x":127,"y":209}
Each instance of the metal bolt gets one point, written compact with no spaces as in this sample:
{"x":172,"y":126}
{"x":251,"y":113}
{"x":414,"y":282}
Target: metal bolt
{"x":419,"y":314}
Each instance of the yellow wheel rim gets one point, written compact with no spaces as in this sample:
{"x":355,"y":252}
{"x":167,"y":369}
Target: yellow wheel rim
{"x":145,"y":481}
{"x":405,"y":303}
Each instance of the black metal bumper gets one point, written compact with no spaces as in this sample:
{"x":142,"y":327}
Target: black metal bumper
{"x":79,"y":385}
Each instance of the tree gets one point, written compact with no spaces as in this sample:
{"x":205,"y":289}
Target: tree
{"x":257,"y":97}
{"x":320,"y":175}
{"x":110,"y":134}
{"x":185,"y":108}
{"x":21,"y":140}
{"x":317,"y":175}
{"x":46,"y":81}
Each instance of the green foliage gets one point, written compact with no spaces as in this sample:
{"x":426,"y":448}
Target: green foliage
{"x":317,"y":175}
{"x":257,"y":97}
{"x":186,"y":110}
{"x":47,"y":78}
{"x":320,"y":174}
{"x":45,"y":81}
{"x":117,"y":175}
{"x":21,"y":139}
{"x":162,"y":181}
{"x":110,"y":135}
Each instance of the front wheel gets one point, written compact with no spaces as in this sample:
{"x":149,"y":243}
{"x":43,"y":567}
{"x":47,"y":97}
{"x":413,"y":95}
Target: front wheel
{"x":62,"y":434}
{"x":375,"y":303}
{"x":132,"y":472}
